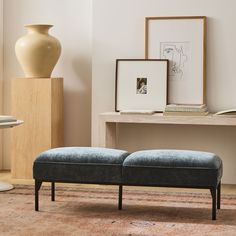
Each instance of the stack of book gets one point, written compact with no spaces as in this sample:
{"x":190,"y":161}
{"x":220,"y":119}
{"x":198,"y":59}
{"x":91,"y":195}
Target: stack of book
{"x":186,"y":110}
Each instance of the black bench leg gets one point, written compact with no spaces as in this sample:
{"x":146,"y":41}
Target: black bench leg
{"x":218,"y":195}
{"x":37,"y":186}
{"x":120,"y":197}
{"x":53,"y":191}
{"x":213,"y":194}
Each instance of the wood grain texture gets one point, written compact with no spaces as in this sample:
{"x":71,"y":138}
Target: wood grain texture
{"x":36,"y":101}
{"x":57,"y":122}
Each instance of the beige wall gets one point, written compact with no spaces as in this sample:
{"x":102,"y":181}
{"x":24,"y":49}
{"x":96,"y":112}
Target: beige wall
{"x":118,"y":32}
{"x":72,"y":26}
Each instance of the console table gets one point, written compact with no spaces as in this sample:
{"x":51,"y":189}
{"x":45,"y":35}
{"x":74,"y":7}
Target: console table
{"x":108,"y":130}
{"x":3,"y":185}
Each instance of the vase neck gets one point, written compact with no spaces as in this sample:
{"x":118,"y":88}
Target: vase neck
{"x":41,"y":29}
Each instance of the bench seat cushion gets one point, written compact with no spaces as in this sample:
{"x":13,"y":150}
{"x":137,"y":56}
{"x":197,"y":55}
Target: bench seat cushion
{"x":172,"y":168}
{"x":80,"y":164}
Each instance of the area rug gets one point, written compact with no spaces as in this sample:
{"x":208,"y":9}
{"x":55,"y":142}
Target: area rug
{"x":93,"y":211}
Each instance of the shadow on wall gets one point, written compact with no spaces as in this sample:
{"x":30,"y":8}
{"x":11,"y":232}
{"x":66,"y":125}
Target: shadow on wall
{"x":77,"y":107}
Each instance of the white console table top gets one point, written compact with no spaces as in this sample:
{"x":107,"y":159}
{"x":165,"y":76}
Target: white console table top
{"x":158,"y":118}
{"x":108,"y":130}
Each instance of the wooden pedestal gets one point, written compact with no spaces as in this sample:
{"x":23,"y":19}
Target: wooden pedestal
{"x":39,"y":103}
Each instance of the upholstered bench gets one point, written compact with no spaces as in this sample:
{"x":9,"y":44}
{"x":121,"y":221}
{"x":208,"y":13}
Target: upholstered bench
{"x":78,"y":165}
{"x":164,"y":168}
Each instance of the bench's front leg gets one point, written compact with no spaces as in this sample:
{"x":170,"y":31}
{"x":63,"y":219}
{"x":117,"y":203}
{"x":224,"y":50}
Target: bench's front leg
{"x":37,"y":186}
{"x":218,"y":195}
{"x":120,"y":197}
{"x":53,"y":191}
{"x":213,"y":194}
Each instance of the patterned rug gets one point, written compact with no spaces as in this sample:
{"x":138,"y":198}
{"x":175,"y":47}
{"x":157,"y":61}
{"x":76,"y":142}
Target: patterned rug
{"x":93,"y":211}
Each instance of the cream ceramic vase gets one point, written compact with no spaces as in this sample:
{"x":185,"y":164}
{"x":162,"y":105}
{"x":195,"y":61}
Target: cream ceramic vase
{"x":38,"y":52}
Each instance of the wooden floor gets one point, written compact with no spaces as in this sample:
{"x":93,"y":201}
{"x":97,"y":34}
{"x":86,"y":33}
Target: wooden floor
{"x":5,"y":176}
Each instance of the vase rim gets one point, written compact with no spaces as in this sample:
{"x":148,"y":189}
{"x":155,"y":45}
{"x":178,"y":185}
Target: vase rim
{"x":39,"y":25}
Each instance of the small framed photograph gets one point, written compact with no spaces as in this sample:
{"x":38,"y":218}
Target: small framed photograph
{"x":181,"y":40}
{"x":141,"y":84}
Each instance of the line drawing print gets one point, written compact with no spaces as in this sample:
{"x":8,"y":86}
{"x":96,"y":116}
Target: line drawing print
{"x":178,"y":54}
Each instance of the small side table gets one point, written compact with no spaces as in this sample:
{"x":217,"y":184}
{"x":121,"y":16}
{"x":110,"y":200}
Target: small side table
{"x":3,"y":125}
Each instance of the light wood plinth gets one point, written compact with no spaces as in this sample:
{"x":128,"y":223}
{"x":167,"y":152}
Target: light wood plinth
{"x":39,"y":103}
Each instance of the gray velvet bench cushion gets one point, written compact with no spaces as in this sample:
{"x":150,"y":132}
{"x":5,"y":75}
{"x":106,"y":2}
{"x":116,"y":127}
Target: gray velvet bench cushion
{"x":80,"y":165}
{"x":172,"y":168}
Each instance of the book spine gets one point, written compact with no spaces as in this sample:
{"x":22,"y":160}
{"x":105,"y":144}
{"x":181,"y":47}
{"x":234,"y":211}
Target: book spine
{"x":186,"y":108}
{"x":172,"y":113}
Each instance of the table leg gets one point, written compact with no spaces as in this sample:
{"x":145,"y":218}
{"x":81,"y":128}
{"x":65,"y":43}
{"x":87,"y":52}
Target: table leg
{"x":108,"y":134}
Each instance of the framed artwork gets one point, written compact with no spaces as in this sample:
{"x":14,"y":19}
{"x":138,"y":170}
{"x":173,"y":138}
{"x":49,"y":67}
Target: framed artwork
{"x":181,"y":40}
{"x":141,"y":84}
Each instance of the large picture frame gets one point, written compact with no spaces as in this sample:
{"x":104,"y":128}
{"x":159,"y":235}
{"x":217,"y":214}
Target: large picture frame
{"x":181,"y":40}
{"x":141,"y":84}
